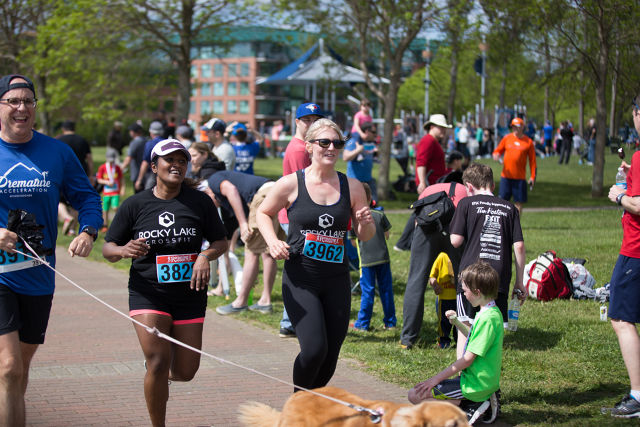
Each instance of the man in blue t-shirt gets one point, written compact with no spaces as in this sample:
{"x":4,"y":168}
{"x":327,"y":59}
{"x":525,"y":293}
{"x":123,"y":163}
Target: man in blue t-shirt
{"x":34,"y":170}
{"x":246,"y":151}
{"x":547,"y":131}
{"x":358,"y":153}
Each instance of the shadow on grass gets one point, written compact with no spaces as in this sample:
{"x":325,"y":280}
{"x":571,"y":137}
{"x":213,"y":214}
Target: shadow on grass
{"x":587,"y":414}
{"x":533,"y":339}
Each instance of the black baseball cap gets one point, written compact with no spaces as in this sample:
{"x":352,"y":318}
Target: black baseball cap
{"x":6,"y":85}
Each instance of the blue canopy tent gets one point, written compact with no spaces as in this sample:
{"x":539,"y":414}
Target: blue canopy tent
{"x":325,"y":68}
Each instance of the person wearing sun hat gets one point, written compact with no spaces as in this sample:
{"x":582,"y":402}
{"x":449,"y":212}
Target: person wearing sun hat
{"x":162,"y":230}
{"x":516,"y":147}
{"x":34,"y":169}
{"x":430,"y":164}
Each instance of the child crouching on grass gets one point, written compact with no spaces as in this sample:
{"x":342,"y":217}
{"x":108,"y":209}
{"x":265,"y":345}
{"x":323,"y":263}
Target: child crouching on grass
{"x":479,"y":367}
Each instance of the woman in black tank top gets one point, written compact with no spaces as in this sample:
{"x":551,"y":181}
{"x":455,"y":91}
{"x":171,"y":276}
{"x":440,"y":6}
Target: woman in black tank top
{"x":320,"y":202}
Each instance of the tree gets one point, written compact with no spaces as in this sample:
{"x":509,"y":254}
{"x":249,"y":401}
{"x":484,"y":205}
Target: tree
{"x":172,"y":26}
{"x":87,"y":66}
{"x":611,"y":23}
{"x":455,"y":26}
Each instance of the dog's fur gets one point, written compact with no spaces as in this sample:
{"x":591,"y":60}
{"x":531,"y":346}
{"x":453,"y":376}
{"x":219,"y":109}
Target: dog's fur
{"x":305,"y":409}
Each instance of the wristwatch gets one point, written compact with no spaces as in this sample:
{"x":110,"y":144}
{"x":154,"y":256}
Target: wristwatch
{"x":91,"y":231}
{"x":619,"y":199}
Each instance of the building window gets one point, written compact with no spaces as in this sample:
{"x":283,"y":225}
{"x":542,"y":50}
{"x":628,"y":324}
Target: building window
{"x":232,"y":70}
{"x":218,"y":107}
{"x":232,"y":107}
{"x":205,"y":89}
{"x":217,"y":70}
{"x":244,"y":107}
{"x":218,"y":89}
{"x":192,"y":107}
{"x":205,"y":107}
{"x":244,"y":69}
{"x":194,"y":71}
{"x":244,"y":88}
{"x":232,"y":89}
{"x":206,"y":52}
{"x":194,"y":89}
{"x":205,"y":69}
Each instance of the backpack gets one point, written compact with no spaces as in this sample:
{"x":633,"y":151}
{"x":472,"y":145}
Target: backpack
{"x":435,"y":211}
{"x":549,"y":278}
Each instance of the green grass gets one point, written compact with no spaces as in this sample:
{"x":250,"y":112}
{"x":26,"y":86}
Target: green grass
{"x":563,"y":363}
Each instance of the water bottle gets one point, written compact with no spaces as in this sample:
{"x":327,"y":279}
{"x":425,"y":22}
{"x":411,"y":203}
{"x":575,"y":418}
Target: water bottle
{"x":621,"y":179}
{"x":513,"y":314}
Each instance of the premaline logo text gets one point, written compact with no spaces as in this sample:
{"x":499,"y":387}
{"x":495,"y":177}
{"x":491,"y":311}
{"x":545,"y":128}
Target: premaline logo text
{"x":21,"y":178}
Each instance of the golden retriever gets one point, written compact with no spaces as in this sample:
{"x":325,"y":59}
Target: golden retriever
{"x":305,"y":409}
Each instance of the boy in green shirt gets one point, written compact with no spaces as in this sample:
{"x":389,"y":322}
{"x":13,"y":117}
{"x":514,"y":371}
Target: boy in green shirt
{"x":479,"y":367}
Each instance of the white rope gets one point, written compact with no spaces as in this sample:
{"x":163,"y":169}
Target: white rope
{"x":374,"y":415}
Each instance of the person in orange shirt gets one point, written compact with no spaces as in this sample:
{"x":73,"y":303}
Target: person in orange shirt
{"x":516,"y":147}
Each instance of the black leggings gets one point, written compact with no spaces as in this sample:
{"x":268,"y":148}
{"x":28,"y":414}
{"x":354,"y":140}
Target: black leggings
{"x":320,"y":316}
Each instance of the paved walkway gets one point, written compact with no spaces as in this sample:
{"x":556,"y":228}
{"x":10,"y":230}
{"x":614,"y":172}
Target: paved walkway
{"x":90,"y":372}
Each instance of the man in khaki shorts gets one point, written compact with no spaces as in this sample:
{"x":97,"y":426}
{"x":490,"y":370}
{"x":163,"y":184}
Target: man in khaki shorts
{"x":241,"y":195}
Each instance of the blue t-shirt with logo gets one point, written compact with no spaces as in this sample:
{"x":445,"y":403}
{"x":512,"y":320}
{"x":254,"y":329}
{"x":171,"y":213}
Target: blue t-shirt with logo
{"x":360,"y":167}
{"x":32,"y":177}
{"x":245,"y":155}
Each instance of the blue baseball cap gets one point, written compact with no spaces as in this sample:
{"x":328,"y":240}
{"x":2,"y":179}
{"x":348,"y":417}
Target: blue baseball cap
{"x":309,"y":109}
{"x":237,"y":127}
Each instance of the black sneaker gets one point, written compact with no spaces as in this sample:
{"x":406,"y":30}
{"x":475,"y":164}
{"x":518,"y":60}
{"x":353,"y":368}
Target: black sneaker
{"x":287,"y":332}
{"x":474,"y":410}
{"x":628,"y":407}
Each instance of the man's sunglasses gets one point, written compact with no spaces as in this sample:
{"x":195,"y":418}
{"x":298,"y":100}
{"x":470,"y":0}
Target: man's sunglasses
{"x":325,"y":143}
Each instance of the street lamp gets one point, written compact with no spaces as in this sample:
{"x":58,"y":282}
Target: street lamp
{"x":426,"y":54}
{"x":483,"y":46}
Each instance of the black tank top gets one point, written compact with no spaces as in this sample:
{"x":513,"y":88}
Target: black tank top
{"x":317,"y":233}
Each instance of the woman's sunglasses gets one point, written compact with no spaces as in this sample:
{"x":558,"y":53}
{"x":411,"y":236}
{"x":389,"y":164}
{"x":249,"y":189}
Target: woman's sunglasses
{"x":325,"y":143}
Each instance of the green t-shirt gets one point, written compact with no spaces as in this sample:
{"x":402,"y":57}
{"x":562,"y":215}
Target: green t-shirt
{"x":482,"y":378}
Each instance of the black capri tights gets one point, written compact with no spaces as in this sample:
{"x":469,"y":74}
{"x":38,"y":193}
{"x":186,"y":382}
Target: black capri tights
{"x":320,"y":316}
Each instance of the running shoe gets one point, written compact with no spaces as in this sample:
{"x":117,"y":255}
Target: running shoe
{"x":230,"y":309}
{"x":287,"y":332}
{"x":628,"y":407}
{"x":264,"y":309}
{"x":474,"y":410}
{"x":492,"y":414}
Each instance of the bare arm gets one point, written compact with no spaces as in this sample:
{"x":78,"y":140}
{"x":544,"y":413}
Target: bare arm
{"x":520,"y":254}
{"x":144,"y":166}
{"x":422,"y":390}
{"x":230,"y":191}
{"x":456,"y":240}
{"x":133,"y":249}
{"x":422,"y":178}
{"x":277,"y":199}
{"x":362,"y":221}
{"x":348,"y":155}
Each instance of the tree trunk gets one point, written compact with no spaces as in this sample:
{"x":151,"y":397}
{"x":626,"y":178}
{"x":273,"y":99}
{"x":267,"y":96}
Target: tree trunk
{"x":184,"y":90}
{"x":44,"y":122}
{"x":601,"y":116}
{"x":451,"y":103}
{"x":384,"y":151}
{"x":613,"y":125}
{"x":503,"y":85}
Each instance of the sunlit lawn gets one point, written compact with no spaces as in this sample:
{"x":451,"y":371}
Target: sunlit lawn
{"x":563,"y":363}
